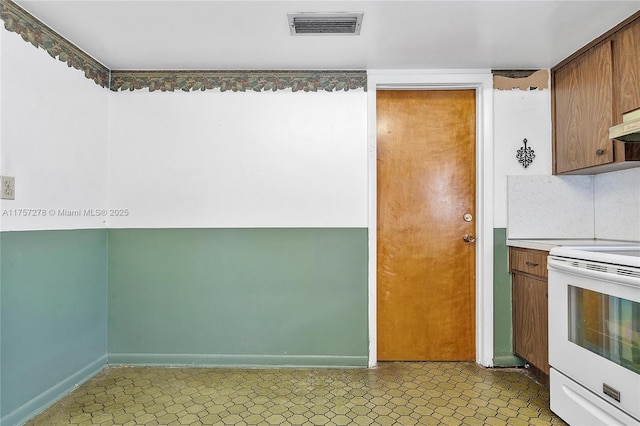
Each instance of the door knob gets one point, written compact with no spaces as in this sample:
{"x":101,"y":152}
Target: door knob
{"x":468,"y":238}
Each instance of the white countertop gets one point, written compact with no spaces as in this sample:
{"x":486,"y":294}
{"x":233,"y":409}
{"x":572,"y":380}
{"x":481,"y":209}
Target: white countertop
{"x":548,"y":244}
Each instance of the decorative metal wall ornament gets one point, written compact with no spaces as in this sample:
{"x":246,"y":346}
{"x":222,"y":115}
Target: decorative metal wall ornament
{"x":525,"y":155}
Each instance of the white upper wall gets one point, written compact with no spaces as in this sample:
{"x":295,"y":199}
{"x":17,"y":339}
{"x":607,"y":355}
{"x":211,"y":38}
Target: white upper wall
{"x":54,"y":140}
{"x":200,"y":159}
{"x":1,"y":168}
{"x":212,"y":159}
{"x":519,"y":114}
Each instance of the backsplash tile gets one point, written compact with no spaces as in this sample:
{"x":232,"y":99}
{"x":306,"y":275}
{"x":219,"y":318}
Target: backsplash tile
{"x":550,"y":207}
{"x":617,"y":205}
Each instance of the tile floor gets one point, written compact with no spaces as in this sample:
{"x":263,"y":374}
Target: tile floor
{"x":398,"y":393}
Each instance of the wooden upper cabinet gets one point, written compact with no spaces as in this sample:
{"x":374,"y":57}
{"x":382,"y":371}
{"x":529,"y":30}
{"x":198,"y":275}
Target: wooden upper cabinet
{"x":626,"y":45}
{"x":591,"y":90}
{"x":583,"y":94}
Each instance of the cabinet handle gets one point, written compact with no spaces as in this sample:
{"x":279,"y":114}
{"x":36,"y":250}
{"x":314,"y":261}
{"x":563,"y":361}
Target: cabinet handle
{"x":599,"y":152}
{"x":531,"y":264}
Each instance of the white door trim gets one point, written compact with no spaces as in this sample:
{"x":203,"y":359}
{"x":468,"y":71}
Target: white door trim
{"x":482,"y":82}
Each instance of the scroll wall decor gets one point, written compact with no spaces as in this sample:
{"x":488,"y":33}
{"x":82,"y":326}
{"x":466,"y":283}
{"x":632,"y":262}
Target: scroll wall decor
{"x":525,"y":155}
{"x":33,"y":31}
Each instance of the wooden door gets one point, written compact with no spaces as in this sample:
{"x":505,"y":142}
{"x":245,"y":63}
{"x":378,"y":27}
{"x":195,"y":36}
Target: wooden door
{"x":426,"y":185}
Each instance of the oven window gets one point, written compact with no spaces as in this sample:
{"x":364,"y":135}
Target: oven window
{"x":606,"y":325}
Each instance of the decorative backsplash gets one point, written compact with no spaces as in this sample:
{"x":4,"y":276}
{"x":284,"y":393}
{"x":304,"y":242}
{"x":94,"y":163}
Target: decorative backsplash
{"x":542,"y":206}
{"x":603,"y":206}
{"x":32,"y":30}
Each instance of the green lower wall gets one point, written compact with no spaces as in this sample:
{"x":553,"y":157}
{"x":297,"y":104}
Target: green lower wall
{"x":187,"y":296}
{"x":502,"y":326}
{"x":53,"y":316}
{"x":238,"y":296}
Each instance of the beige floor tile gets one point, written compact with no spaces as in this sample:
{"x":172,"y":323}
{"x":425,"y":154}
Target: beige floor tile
{"x":429,"y":393}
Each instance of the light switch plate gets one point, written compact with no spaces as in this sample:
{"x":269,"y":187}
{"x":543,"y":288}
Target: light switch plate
{"x":7,"y":188}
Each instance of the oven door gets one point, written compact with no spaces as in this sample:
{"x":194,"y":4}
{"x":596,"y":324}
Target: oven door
{"x":594,"y":331}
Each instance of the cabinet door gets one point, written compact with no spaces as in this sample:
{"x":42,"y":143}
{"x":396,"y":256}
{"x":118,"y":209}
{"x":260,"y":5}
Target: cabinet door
{"x":627,"y":64}
{"x":583,"y":94}
{"x":530,"y":326}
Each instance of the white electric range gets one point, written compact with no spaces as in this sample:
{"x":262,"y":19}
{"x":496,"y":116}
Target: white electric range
{"x":594,"y":334}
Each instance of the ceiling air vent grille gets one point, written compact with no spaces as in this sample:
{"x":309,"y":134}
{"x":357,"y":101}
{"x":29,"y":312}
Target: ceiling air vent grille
{"x":339,"y":23}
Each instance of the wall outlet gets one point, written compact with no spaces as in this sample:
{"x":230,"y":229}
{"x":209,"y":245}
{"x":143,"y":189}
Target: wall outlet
{"x":7,"y":188}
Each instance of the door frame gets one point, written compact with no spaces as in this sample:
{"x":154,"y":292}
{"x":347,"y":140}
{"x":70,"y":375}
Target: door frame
{"x":482,"y":82}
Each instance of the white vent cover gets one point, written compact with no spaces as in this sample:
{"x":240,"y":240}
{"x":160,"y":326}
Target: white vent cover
{"x":335,"y":23}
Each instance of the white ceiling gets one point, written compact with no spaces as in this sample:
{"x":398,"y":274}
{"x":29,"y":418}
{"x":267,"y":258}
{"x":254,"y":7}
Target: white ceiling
{"x":242,"y":34}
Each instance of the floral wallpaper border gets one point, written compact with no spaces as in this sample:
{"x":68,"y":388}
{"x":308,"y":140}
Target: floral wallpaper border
{"x":239,"y":81}
{"x":32,"y":30}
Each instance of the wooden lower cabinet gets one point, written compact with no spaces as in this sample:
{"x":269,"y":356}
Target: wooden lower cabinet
{"x":530,"y":308}
{"x":530,"y":327}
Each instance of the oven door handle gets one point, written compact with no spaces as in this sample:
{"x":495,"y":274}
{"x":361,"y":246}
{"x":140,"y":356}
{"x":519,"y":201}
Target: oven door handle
{"x":563,"y":265}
